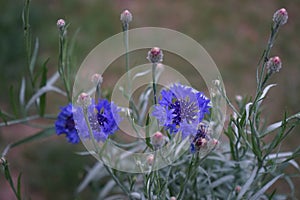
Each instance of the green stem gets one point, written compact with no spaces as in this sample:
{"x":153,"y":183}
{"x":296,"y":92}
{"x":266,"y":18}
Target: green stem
{"x":154,"y":82}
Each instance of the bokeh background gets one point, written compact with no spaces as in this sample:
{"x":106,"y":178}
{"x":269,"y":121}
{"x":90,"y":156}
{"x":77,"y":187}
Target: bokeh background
{"x":233,"y":32}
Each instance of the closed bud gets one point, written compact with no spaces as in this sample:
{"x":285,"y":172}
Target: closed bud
{"x":84,"y":100}
{"x":172,"y":198}
{"x":238,"y":188}
{"x":2,"y":161}
{"x":280,"y":17}
{"x":125,"y":18}
{"x":97,"y":79}
{"x":274,"y":65}
{"x":150,"y":159}
{"x":155,"y":55}
{"x":157,"y":139}
{"x":60,"y":24}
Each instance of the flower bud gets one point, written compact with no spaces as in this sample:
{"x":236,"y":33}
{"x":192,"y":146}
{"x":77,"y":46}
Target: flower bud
{"x":280,"y":17}
{"x":97,"y":79}
{"x":172,"y":198}
{"x":238,"y":188}
{"x":60,"y":24}
{"x":84,"y":100}
{"x":2,"y":161}
{"x":155,"y":55}
{"x":157,"y":139}
{"x":150,"y":159}
{"x":125,"y":18}
{"x":273,"y":65}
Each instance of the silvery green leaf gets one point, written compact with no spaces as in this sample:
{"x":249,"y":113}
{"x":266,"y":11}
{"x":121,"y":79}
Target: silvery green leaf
{"x":263,"y":95}
{"x":248,"y":183}
{"x":247,"y":107}
{"x":106,"y":189}
{"x":95,"y":173}
{"x":265,"y":188}
{"x":22,"y":92}
{"x":276,"y":125}
{"x":222,"y":180}
{"x":34,"y":56}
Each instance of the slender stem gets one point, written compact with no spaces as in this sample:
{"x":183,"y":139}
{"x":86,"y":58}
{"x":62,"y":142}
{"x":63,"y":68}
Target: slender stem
{"x":154,"y":82}
{"x":85,"y":113}
{"x":126,"y":44}
{"x":125,"y":190}
{"x":183,"y":187}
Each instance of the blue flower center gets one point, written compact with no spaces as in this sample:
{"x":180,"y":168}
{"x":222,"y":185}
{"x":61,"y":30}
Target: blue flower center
{"x":184,"y":109}
{"x":70,"y":124}
{"x":97,"y":121}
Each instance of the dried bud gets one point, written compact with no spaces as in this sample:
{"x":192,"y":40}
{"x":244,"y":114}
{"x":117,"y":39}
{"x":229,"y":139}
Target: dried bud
{"x":97,"y":79}
{"x":280,"y":17}
{"x":150,"y":159}
{"x":157,"y":139}
{"x":274,"y":65}
{"x":60,"y":24}
{"x":125,"y":18}
{"x":155,"y":55}
{"x":84,"y":100}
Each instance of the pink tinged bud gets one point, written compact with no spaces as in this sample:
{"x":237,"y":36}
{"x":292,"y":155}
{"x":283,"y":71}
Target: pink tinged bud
{"x":238,"y":188}
{"x":150,"y":159}
{"x":2,"y":161}
{"x":60,"y":24}
{"x":97,"y":79}
{"x":84,"y":100}
{"x":173,"y":198}
{"x":155,"y":55}
{"x":157,"y":139}
{"x":280,"y":17}
{"x":274,"y":65}
{"x":126,"y":17}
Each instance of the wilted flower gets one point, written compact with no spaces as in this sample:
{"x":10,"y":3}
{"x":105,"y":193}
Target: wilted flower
{"x":157,"y":139}
{"x":155,"y":55}
{"x":274,"y":65}
{"x":180,"y":109}
{"x":125,"y":18}
{"x":280,"y":17}
{"x":65,"y":124}
{"x":200,"y":140}
{"x":103,"y":119}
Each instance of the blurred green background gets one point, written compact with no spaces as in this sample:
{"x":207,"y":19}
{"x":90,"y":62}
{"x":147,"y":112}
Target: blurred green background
{"x":234,"y":34}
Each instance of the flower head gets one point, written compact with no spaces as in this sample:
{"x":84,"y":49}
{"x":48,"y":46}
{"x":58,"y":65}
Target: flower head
{"x":65,"y":124}
{"x":155,"y":55}
{"x":181,"y":108}
{"x":274,"y":65}
{"x":103,"y":119}
{"x":280,"y":17}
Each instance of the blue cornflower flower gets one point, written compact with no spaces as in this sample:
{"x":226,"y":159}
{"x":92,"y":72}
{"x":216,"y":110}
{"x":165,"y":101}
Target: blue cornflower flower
{"x":103,"y":119}
{"x":180,"y":109}
{"x":65,"y":124}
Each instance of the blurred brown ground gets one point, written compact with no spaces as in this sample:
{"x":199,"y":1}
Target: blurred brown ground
{"x":234,"y":34}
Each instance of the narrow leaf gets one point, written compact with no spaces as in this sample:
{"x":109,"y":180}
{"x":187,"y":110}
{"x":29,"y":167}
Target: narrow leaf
{"x":34,"y":56}
{"x":43,"y":97}
{"x":22,"y":92}
{"x":265,"y":188}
